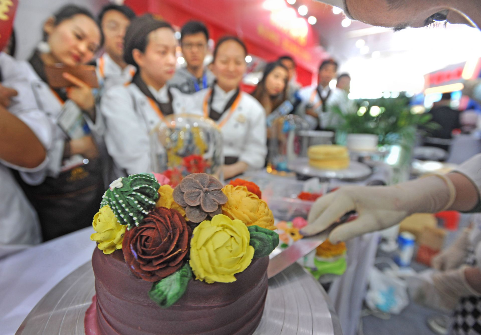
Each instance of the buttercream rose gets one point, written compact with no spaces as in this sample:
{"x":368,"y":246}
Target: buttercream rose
{"x":166,"y":199}
{"x":219,"y":249}
{"x":109,"y":232}
{"x":247,"y":207}
{"x":157,"y":248}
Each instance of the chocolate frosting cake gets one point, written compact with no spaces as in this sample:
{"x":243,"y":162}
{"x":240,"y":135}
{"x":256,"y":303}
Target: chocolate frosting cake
{"x":123,"y":305}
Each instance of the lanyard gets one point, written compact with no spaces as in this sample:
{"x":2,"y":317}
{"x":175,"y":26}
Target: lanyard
{"x":58,"y":97}
{"x":196,"y":83}
{"x":102,"y":70}
{"x":232,"y":108}
{"x":156,"y":109}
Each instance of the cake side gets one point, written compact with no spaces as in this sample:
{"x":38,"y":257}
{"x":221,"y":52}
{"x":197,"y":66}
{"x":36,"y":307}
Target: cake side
{"x":124,"y":307}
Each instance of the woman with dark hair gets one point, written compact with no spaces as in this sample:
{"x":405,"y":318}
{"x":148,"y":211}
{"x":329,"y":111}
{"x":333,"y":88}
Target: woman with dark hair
{"x":240,"y":116}
{"x":66,"y":192}
{"x":132,"y":112}
{"x":271,"y":91}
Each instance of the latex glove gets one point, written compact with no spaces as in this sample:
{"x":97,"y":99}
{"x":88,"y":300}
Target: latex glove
{"x":378,"y":207}
{"x":443,"y":290}
{"x":454,"y":256}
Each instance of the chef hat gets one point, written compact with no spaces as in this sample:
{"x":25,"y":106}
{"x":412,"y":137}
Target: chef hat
{"x":137,"y":32}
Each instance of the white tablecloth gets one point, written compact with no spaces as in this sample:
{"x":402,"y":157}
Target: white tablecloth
{"x":27,"y":276}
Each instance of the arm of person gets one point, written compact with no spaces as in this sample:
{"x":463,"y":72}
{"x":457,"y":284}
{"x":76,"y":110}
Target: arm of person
{"x":380,"y":207}
{"x":126,"y":138}
{"x":19,"y":144}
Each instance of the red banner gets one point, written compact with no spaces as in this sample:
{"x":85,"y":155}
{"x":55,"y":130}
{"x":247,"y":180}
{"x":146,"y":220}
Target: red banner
{"x":7,"y":14}
{"x":268,"y":32}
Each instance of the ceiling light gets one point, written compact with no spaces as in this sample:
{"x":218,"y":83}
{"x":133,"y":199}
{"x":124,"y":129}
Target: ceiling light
{"x":248,"y":58}
{"x":291,"y":2}
{"x":181,"y":60}
{"x":274,"y":5}
{"x":364,"y":50}
{"x":376,"y":54}
{"x":360,"y":43}
{"x":312,"y":20}
{"x":345,"y":23}
{"x":302,"y":10}
{"x":336,"y":10}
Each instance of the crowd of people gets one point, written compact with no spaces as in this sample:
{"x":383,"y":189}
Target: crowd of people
{"x":72,"y":140}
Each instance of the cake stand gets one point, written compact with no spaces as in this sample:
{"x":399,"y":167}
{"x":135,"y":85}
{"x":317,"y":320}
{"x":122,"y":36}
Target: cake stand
{"x":295,"y":304}
{"x":355,"y":171}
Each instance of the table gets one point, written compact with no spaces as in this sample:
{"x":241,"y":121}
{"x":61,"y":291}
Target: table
{"x":26,"y":277}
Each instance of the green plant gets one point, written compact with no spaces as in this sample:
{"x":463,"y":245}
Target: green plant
{"x":390,"y":119}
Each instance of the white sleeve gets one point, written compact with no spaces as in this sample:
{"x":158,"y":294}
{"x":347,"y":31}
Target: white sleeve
{"x":472,"y":170}
{"x":126,"y":137}
{"x":255,"y":149}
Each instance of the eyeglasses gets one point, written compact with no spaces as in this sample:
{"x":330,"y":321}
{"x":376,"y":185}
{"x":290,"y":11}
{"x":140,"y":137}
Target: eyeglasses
{"x":191,"y":46}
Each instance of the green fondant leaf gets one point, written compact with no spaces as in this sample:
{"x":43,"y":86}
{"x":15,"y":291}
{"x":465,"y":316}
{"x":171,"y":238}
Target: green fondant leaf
{"x":263,"y":240}
{"x":167,"y":291}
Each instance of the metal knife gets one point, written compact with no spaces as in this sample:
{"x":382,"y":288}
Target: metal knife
{"x":300,"y":248}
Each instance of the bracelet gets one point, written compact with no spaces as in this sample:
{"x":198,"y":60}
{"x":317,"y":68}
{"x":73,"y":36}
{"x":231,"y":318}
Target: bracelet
{"x":451,"y":188}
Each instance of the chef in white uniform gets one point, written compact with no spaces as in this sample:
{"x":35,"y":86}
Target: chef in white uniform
{"x":240,"y":116}
{"x":111,"y":67}
{"x":23,"y":142}
{"x":316,"y":100}
{"x":67,"y":191}
{"x":132,"y":112}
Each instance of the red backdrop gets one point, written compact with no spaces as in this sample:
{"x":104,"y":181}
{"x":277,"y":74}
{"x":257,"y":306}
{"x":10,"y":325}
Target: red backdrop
{"x":266,"y":35}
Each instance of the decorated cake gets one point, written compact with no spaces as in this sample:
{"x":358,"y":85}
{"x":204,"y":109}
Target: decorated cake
{"x":328,"y":157}
{"x":185,"y":260}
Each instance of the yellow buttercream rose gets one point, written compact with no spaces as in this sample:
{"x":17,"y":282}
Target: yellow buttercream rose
{"x":166,"y":199}
{"x":219,"y":249}
{"x":109,"y":232}
{"x":247,"y":207}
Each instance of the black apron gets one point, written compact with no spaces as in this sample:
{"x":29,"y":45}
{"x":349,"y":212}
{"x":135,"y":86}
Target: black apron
{"x":69,"y":202}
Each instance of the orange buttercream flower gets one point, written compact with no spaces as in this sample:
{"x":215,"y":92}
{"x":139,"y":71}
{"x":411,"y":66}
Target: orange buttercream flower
{"x":251,"y":187}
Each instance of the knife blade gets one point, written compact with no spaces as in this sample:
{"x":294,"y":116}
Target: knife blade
{"x":300,"y":248}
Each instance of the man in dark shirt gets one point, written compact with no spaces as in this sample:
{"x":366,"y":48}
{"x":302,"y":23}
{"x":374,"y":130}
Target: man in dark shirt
{"x":447,"y":118}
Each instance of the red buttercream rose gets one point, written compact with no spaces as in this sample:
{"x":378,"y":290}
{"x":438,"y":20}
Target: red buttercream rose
{"x":251,"y":187}
{"x":195,"y":164}
{"x":158,"y":246}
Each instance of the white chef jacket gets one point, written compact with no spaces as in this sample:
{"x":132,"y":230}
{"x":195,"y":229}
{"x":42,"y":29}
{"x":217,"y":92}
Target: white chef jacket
{"x":129,"y":119}
{"x":18,"y":221}
{"x":327,"y":119}
{"x":49,"y":104}
{"x":244,"y":133}
{"x":110,"y":74}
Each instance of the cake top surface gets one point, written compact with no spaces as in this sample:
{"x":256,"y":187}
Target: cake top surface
{"x":199,"y":229}
{"x":327,"y":151}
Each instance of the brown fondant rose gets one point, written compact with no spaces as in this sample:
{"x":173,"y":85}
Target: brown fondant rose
{"x":201,"y":196}
{"x":157,"y":247}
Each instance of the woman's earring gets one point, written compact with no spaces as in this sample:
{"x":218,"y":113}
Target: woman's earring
{"x":43,"y":47}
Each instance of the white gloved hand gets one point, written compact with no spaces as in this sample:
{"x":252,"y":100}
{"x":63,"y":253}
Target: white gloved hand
{"x":454,"y":256}
{"x":378,"y":207}
{"x":443,"y":290}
